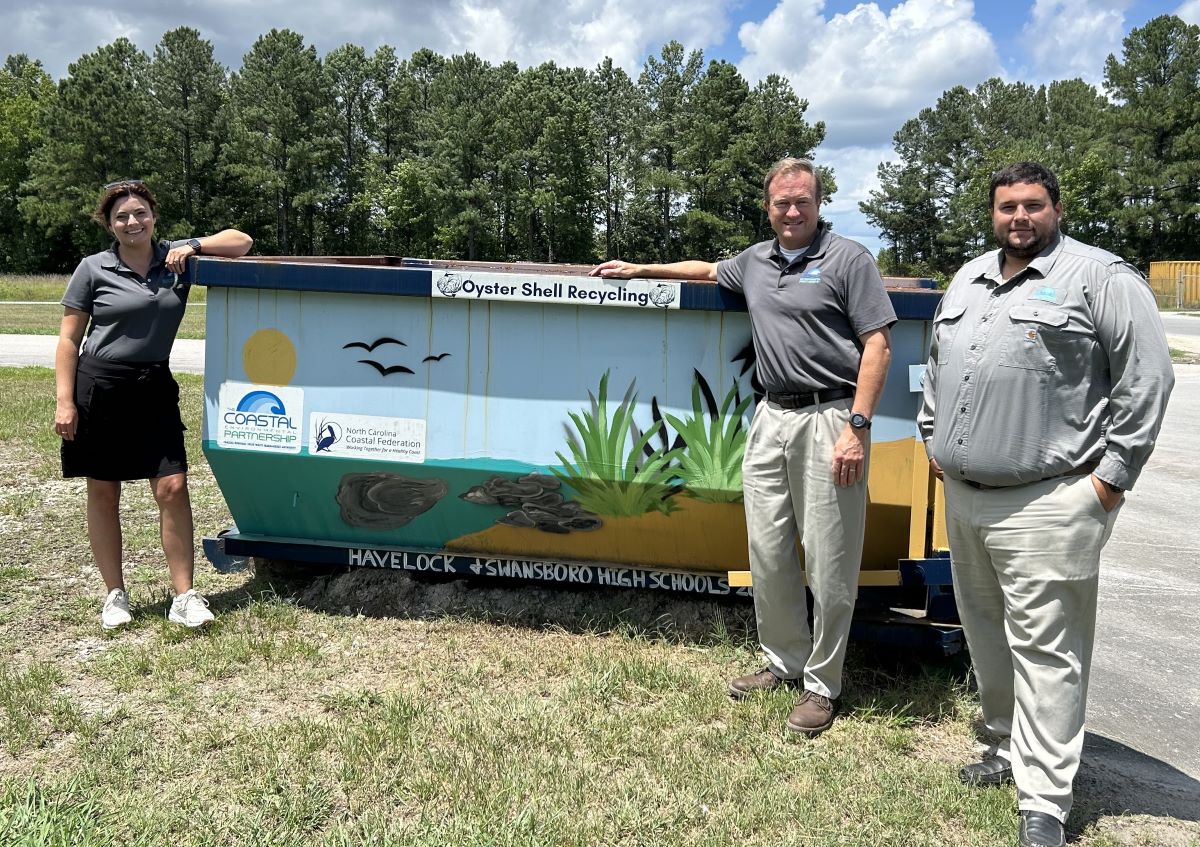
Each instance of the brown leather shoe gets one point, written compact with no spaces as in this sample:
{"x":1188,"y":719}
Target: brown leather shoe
{"x":814,"y":714}
{"x":763,"y":680}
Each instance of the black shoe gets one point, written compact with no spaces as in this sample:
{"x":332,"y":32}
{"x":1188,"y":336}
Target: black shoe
{"x":1039,"y":829}
{"x":989,"y":772}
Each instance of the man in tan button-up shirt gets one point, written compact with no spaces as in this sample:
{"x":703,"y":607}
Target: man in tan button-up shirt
{"x":1046,"y":386}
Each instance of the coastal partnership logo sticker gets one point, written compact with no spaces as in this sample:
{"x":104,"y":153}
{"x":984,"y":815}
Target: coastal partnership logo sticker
{"x":253,"y":417}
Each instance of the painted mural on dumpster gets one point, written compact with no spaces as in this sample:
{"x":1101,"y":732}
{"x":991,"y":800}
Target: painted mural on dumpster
{"x":531,"y":429}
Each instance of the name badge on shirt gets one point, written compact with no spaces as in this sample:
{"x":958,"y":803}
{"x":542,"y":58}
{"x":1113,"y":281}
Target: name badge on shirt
{"x":810,"y":276}
{"x":1046,"y":294}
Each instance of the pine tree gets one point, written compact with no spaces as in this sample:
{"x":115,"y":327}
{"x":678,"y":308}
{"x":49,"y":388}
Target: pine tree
{"x":92,"y":138}
{"x":350,"y":81}
{"x":458,"y":130}
{"x":1156,"y":132}
{"x":618,"y":111}
{"x":188,"y":90}
{"x":666,"y":83}
{"x":715,"y":124}
{"x":281,"y":145}
{"x":26,"y":93}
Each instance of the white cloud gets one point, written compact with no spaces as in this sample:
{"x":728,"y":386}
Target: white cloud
{"x":855,"y":169}
{"x":1190,"y":11}
{"x":1072,"y":38}
{"x":865,"y":72}
{"x":529,"y":32}
{"x":580,"y":33}
{"x":57,"y":36}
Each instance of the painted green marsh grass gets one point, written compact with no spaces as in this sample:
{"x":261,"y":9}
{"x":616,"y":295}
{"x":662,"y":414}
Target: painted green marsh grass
{"x":611,"y":475}
{"x":371,"y":708}
{"x":710,"y":464}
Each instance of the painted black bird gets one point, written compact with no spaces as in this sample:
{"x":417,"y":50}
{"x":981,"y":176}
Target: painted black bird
{"x":383,"y":370}
{"x":370,"y":347}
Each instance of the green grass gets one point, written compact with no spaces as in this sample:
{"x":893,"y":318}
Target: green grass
{"x":31,"y":816}
{"x":1184,"y":357}
{"x":31,"y":710}
{"x":262,"y":634}
{"x":371,"y":708}
{"x":50,"y":287}
{"x":44,"y":319}
{"x":42,"y":315}
{"x":37,"y":287}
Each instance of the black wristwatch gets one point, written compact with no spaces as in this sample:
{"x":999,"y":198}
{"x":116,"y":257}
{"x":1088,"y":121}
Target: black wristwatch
{"x":1114,"y":489}
{"x":194,"y":243}
{"x":860,"y":421}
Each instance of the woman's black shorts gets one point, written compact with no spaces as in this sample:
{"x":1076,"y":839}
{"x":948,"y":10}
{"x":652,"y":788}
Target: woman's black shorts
{"x":129,"y":422}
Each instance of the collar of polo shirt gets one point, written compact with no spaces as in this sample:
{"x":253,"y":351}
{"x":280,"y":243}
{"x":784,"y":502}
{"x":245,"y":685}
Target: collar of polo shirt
{"x":815,"y":250}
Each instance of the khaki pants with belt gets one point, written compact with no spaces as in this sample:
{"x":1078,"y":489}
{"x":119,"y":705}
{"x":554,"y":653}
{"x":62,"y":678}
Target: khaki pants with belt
{"x":787,"y":479}
{"x":1026,"y":563}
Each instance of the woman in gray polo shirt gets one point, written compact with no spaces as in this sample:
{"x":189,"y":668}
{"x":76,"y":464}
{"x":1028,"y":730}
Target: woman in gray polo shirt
{"x":118,"y":405}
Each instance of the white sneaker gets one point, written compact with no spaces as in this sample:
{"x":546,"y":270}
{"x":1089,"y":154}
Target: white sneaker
{"x":190,"y":609}
{"x":116,"y":610}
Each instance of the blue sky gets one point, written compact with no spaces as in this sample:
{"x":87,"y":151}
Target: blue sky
{"x":1004,"y":20}
{"x":865,"y":68}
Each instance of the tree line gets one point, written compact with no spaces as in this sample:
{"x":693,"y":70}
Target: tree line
{"x":359,"y":153}
{"x":1128,"y":159}
{"x":364,"y":153}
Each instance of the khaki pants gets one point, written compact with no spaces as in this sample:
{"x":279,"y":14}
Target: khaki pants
{"x":1026,"y":563}
{"x":788,"y":482}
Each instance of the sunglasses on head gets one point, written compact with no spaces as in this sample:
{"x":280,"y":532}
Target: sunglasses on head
{"x":122,"y":182}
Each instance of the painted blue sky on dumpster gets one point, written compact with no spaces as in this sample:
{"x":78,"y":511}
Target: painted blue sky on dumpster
{"x":865,"y":68}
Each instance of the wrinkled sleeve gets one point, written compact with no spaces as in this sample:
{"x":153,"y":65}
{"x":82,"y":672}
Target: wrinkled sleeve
{"x":867,"y":303}
{"x":1131,"y":333}
{"x":80,"y":292}
{"x":929,"y":388}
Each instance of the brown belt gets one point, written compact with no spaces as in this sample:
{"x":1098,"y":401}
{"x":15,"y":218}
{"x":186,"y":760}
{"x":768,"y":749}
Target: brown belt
{"x":1083,"y":470}
{"x":808,"y":398}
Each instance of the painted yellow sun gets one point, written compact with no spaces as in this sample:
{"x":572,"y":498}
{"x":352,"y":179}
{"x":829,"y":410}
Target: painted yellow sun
{"x":269,"y":357}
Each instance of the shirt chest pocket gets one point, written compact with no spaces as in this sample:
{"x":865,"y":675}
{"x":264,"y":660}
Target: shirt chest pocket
{"x":1031,"y":337}
{"x":945,"y":327}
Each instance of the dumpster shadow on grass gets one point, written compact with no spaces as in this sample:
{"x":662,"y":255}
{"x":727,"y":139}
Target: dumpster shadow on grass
{"x":659,"y":615}
{"x":878,"y":680}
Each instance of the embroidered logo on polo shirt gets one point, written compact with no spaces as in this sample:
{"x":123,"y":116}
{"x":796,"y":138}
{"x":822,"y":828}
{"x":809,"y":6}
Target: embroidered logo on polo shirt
{"x":810,"y":276}
{"x":1046,"y":293}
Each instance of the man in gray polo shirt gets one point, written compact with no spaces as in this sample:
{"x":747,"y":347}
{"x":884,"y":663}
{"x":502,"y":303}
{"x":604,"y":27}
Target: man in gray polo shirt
{"x":819,"y":318}
{"x":1046,"y":385}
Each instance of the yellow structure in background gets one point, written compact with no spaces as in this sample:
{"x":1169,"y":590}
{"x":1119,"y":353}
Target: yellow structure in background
{"x":906,"y":514}
{"x":1176,"y":285}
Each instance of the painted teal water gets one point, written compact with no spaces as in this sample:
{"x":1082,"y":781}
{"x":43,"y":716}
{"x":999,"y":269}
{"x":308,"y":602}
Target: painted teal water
{"x":295,"y":495}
